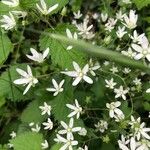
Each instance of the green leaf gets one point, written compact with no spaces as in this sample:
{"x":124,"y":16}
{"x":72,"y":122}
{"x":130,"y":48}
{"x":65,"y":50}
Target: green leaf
{"x":97,"y":51}
{"x":59,"y":55}
{"x":59,"y":108}
{"x":141,"y":3}
{"x":32,"y":113}
{"x":27,"y":141}
{"x":5,"y":47}
{"x":8,"y":88}
{"x":101,"y":52}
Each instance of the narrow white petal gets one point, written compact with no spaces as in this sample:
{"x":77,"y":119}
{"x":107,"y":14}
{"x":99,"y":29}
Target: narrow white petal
{"x":76,"y":81}
{"x":88,"y":79}
{"x":27,"y":88}
{"x":52,"y":8}
{"x":46,"y":52}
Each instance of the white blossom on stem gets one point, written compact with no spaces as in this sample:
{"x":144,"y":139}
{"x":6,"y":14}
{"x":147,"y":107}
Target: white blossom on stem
{"x":27,"y":78}
{"x":57,"y":87}
{"x":68,"y":142}
{"x":131,"y":20}
{"x":44,"y":9}
{"x":48,"y":125}
{"x":69,"y":129}
{"x":79,"y":74}
{"x":46,"y":109}
{"x":45,"y":144}
{"x":114,"y":110}
{"x":39,"y":57}
{"x":120,"y":92}
{"x":77,"y":109}
{"x":143,"y":51}
{"x":8,"y":22}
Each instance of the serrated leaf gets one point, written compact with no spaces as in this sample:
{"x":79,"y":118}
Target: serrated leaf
{"x":141,"y":3}
{"x":5,"y":47}
{"x":27,"y":141}
{"x":32,"y":113}
{"x":59,"y":53}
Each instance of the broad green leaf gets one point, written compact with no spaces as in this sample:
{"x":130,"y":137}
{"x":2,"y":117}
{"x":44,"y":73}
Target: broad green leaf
{"x":5,"y":47}
{"x":97,"y":51}
{"x":102,"y":52}
{"x":32,"y":113}
{"x":27,"y":141}
{"x":59,"y":108}
{"x":141,"y":3}
{"x":59,"y":53}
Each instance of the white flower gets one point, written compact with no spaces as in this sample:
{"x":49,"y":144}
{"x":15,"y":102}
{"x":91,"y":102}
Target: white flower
{"x":77,"y":15}
{"x":11,"y":3}
{"x":13,"y":134}
{"x":36,"y":128}
{"x":130,"y":22}
{"x":132,"y":145}
{"x":26,"y":78}
{"x":126,"y":70}
{"x":45,"y":109}
{"x":129,"y":53}
{"x":77,"y":109}
{"x":121,"y":32}
{"x":120,"y":92}
{"x":69,"y":129}
{"x":71,"y":36}
{"x":119,"y":15}
{"x":79,"y":74}
{"x":10,"y":145}
{"x":124,"y":140}
{"x":104,"y":16}
{"x":110,"y":24}
{"x":106,"y":63}
{"x":101,"y":126}
{"x":68,"y":142}
{"x":82,"y":132}
{"x":95,"y":16}
{"x":148,"y":90}
{"x":39,"y":57}
{"x":93,"y":67}
{"x":137,"y":38}
{"x":8,"y":22}
{"x":126,"y":1}
{"x":143,"y":50}
{"x":57,"y":87}
{"x":85,"y":148}
{"x":143,"y":145}
{"x":44,"y":10}
{"x":84,"y":30}
{"x":19,"y":14}
{"x":48,"y":125}
{"x":114,"y":69}
{"x":139,"y":128}
{"x":110,"y":83}
{"x":45,"y":145}
{"x":137,"y":81}
{"x":113,"y":110}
